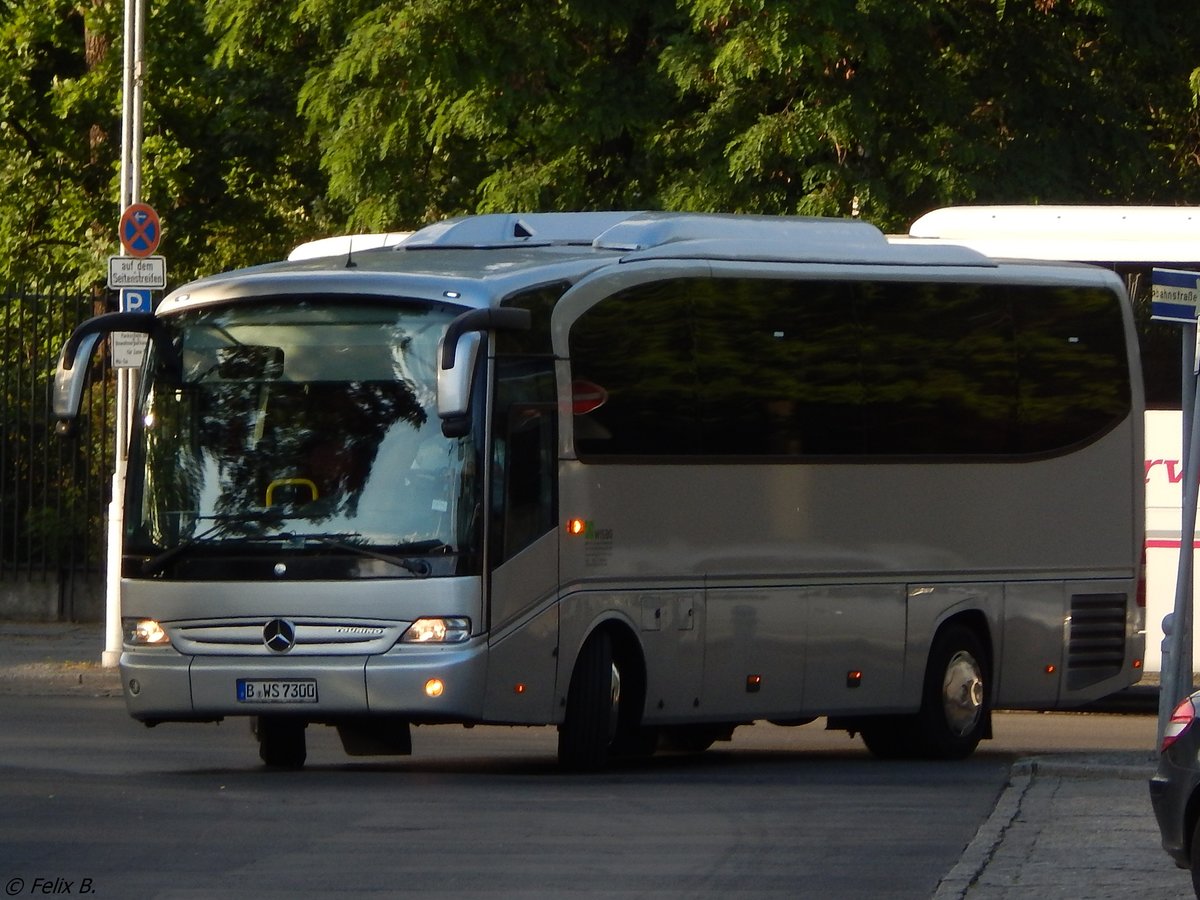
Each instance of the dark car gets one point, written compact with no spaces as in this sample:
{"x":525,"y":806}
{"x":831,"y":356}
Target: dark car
{"x":1175,"y":788}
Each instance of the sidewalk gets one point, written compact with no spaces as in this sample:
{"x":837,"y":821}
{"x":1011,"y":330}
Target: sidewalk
{"x":1070,"y":827}
{"x":54,"y":658}
{"x":1067,"y":827}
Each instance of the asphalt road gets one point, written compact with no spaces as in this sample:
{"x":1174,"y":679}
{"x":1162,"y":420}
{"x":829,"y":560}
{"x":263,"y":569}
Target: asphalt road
{"x":90,"y":799}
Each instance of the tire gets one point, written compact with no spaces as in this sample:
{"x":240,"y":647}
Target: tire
{"x":956,"y":701}
{"x":586,"y":734}
{"x":1194,"y":859}
{"x":955,"y":705}
{"x":281,"y":742}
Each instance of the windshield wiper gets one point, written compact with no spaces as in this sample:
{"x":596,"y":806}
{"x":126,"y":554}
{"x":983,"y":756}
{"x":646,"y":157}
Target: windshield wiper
{"x":217,"y":535}
{"x":418,"y":567}
{"x":223,"y":523}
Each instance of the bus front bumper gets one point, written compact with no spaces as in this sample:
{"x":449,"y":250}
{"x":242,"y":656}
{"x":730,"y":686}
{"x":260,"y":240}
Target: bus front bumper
{"x":433,"y":684}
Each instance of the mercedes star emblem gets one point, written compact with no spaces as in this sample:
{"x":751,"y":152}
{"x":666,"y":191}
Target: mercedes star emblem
{"x":279,"y":635}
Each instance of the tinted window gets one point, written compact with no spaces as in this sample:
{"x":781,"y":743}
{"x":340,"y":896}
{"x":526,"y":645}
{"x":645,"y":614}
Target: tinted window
{"x":524,"y":454}
{"x":705,"y":367}
{"x":540,"y":303}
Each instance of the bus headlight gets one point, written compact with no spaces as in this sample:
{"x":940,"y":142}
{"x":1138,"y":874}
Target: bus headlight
{"x":438,"y":631}
{"x":145,"y":633}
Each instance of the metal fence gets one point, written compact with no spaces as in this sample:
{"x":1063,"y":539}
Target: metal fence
{"x":53,"y":491}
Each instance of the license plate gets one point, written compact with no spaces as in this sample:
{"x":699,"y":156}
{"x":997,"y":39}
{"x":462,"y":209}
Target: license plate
{"x":277,"y":690}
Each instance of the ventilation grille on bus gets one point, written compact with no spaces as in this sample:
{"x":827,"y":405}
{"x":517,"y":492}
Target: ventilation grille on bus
{"x":307,"y":637}
{"x":1096,"y":647}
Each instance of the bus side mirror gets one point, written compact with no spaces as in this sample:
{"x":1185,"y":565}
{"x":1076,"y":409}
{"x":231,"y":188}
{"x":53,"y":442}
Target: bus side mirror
{"x":454,"y":386}
{"x":70,"y":375}
{"x":459,"y":354}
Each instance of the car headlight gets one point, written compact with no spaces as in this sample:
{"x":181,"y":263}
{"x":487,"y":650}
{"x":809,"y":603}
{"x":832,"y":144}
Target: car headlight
{"x":435,"y":630}
{"x":145,"y":633}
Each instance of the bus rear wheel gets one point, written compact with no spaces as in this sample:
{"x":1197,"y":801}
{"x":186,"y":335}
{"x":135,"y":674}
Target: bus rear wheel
{"x":955,"y":704}
{"x":593,"y":708}
{"x":281,"y":743}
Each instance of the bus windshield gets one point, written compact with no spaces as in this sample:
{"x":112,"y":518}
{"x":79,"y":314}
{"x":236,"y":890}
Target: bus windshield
{"x":308,"y":427}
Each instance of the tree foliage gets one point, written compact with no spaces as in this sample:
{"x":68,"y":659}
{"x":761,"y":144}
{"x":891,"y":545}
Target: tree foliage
{"x":429,"y":107}
{"x":271,"y":121}
{"x":876,"y":107}
{"x":52,"y":128}
{"x":225,"y":160}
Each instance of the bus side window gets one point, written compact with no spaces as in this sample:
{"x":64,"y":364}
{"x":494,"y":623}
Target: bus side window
{"x":524,"y":455}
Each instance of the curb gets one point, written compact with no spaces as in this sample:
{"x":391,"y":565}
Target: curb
{"x":50,"y":679}
{"x":1136,"y":766}
{"x":979,"y":852}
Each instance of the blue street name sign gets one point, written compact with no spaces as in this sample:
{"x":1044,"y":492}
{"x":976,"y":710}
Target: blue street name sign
{"x":1174,"y":295}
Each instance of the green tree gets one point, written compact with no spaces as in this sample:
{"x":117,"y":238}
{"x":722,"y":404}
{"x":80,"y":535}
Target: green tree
{"x":888,"y":108}
{"x":428,"y":107}
{"x":272,"y":121}
{"x":885,"y":108}
{"x":225,"y":159}
{"x":55,"y":166}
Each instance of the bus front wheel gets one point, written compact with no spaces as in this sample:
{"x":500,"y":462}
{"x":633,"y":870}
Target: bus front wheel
{"x":593,"y":708}
{"x":281,"y":743}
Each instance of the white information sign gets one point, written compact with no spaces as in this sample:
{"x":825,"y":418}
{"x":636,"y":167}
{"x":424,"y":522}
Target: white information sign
{"x":137,"y":272}
{"x":128,"y":349}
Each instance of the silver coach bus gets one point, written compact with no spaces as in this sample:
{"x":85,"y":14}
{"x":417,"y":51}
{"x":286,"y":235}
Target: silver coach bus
{"x":642,"y":476}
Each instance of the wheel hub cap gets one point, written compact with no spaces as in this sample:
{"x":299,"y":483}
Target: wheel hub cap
{"x":962,"y":693}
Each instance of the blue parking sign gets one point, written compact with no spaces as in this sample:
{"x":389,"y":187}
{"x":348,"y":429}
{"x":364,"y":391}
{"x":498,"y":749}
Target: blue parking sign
{"x":136,"y":301}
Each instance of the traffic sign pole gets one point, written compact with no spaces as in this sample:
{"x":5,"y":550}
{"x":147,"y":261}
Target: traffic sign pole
{"x":130,"y":193}
{"x":1175,"y":297}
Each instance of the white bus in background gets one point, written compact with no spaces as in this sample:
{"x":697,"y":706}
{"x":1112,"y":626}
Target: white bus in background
{"x":1131,"y":240}
{"x":646,"y":477}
